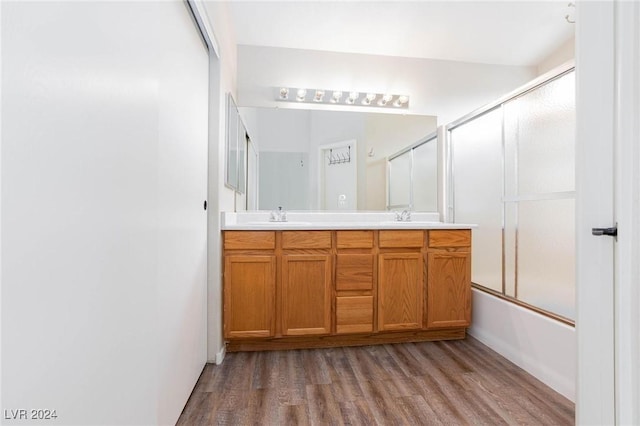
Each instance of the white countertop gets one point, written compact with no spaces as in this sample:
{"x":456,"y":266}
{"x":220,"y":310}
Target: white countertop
{"x":298,"y":220}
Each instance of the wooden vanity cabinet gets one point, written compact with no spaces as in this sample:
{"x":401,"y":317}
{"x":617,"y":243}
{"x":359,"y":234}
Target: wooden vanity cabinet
{"x":249,"y":284}
{"x":400,"y":280}
{"x":448,"y":279}
{"x":300,"y":289}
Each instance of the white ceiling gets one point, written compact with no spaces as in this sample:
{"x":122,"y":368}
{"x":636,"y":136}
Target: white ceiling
{"x":520,"y":33}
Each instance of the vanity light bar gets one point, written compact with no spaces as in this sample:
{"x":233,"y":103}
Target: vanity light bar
{"x":342,"y":97}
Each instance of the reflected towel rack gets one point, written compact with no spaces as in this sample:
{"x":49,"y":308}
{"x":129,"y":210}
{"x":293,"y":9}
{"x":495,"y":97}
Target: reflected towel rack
{"x":339,"y":158}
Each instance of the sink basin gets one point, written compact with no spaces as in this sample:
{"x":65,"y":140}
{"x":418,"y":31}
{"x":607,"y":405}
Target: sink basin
{"x":409,"y":223}
{"x":283,"y":224}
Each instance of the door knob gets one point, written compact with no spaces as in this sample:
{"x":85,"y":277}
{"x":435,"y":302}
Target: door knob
{"x":611,"y":232}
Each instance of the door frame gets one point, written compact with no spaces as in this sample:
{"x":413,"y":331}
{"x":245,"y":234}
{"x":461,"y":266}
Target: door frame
{"x":627,"y":208}
{"x":608,"y":186}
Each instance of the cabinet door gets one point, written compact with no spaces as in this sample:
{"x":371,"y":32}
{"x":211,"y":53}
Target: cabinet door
{"x":448,"y":289}
{"x":249,"y":296}
{"x":400,"y":291}
{"x":306,"y":294}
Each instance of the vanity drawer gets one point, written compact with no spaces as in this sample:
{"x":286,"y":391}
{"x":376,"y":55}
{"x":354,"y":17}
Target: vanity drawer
{"x":259,"y":240}
{"x":306,"y":239}
{"x":354,"y":239}
{"x":450,"y":238}
{"x":354,"y":314}
{"x":354,"y":272}
{"x":390,"y":239}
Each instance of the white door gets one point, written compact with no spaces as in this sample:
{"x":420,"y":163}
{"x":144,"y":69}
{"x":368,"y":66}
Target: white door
{"x":594,"y":208}
{"x":104,"y":168}
{"x":338,"y":176}
{"x":608,"y":187}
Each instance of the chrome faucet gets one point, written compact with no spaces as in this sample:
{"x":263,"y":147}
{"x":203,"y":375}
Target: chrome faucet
{"x":278,"y":215}
{"x":404,"y":216}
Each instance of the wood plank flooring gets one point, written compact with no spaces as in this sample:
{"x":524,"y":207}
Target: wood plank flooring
{"x":431,"y":383}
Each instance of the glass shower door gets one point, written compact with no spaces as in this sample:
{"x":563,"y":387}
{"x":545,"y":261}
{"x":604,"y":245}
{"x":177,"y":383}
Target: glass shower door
{"x":539,"y":140}
{"x":513,"y":173}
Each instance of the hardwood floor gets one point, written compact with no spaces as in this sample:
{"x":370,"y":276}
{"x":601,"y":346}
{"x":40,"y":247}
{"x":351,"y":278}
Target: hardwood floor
{"x":448,"y":382}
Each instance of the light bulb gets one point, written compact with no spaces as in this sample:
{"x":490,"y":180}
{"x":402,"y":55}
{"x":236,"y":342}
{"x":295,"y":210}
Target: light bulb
{"x":335,"y":97}
{"x":403,"y":99}
{"x":284,"y":93}
{"x":301,"y":94}
{"x":369,"y":98}
{"x":385,"y":100}
{"x":318,"y":96}
{"x":353,"y":96}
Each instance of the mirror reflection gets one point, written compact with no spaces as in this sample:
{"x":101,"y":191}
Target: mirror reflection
{"x":413,"y":177}
{"x":329,"y":160}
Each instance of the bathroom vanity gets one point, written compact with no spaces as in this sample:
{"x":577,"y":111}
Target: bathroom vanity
{"x":310,"y":283}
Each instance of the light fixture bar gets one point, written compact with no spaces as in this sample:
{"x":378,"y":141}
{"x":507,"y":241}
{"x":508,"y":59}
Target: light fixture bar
{"x":342,"y":97}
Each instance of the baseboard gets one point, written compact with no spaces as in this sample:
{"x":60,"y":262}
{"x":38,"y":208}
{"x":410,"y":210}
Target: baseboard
{"x":340,"y":340}
{"x":220,"y":355}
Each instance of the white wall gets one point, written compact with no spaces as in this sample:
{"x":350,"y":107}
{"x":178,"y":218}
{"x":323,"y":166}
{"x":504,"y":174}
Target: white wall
{"x":282,"y":131}
{"x":283,"y":180}
{"x":543,"y":347}
{"x":103,"y":179}
{"x":446,"y":89}
{"x":564,"y":53}
{"x":221,"y":198}
{"x":283,"y":140}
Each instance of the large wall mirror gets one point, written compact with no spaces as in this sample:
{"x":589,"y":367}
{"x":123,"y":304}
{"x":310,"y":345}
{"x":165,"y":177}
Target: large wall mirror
{"x":328,"y":160}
